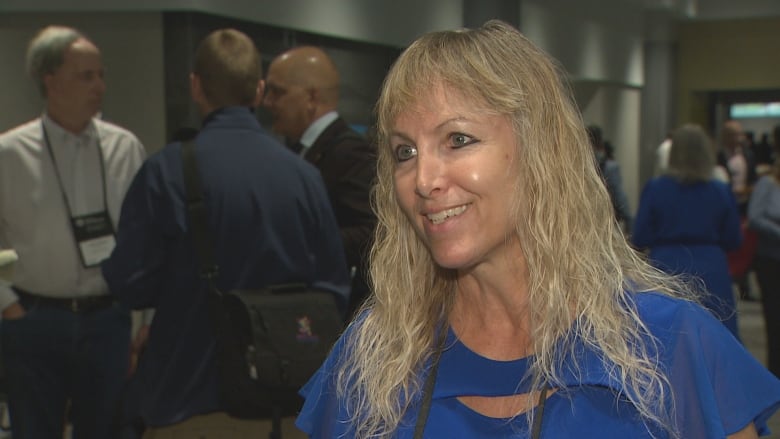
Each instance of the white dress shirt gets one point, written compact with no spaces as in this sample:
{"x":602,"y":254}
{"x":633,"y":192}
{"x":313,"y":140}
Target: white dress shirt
{"x":738,"y":168}
{"x":34,"y":220}
{"x":662,"y":156}
{"x":315,"y":129}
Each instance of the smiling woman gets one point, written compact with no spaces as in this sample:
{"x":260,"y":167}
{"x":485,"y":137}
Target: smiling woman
{"x":453,"y":179}
{"x":507,"y":302}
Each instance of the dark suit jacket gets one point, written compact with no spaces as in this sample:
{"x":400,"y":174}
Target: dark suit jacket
{"x":347,"y":162}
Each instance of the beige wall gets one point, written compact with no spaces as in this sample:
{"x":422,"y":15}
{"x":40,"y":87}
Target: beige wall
{"x":725,"y":55}
{"x":132,"y":49}
{"x":617,"y":110}
{"x":601,"y":48}
{"x":7,"y":259}
{"x":393,"y":22}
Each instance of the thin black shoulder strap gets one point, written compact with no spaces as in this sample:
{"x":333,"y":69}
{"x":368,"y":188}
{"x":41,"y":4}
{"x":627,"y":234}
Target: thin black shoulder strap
{"x":430,"y":383}
{"x":536,"y":430}
{"x":196,"y":211}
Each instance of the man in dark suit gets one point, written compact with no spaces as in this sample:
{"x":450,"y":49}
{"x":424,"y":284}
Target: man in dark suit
{"x":302,"y":92}
{"x":271,"y":223}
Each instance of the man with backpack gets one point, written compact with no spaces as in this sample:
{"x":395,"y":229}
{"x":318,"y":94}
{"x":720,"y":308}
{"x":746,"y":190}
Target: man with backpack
{"x":270,"y":222}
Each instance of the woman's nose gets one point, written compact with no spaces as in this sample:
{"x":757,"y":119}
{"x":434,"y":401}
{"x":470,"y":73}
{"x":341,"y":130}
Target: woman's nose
{"x":430,"y":173}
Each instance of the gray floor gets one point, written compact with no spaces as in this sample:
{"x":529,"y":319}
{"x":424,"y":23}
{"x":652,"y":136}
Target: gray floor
{"x":751,"y":329}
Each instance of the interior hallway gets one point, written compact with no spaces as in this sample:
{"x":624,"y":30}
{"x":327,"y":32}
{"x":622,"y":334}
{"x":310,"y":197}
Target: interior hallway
{"x":751,"y":329}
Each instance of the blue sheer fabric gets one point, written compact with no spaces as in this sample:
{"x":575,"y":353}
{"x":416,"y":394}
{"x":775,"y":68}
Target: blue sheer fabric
{"x":719,"y":388}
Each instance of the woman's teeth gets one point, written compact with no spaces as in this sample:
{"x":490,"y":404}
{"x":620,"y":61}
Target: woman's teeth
{"x":439,"y":217}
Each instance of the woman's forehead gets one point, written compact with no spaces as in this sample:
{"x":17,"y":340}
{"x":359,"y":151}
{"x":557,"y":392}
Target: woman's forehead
{"x":440,"y":98}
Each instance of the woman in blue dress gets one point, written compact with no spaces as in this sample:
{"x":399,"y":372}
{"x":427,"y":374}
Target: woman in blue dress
{"x":507,"y":303}
{"x":688,"y":221}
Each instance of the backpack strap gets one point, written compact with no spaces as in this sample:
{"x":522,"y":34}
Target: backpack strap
{"x":196,"y":212}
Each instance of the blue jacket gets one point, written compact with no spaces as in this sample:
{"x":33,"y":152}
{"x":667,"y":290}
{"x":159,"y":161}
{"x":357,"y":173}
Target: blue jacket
{"x":272,"y":223}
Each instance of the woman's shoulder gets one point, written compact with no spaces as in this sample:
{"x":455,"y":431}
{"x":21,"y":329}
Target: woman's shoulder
{"x":721,"y":186}
{"x":717,"y":385}
{"x":661,"y":183}
{"x":689,"y":334}
{"x":324,"y":407}
{"x":655,"y":307}
{"x":340,"y":349}
{"x":675,"y":321}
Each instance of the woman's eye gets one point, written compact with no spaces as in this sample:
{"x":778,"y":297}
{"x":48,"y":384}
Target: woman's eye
{"x":459,"y":139}
{"x":404,"y":152}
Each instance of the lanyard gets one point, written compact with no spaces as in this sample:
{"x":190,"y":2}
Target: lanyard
{"x":430,"y":381}
{"x":59,"y":177}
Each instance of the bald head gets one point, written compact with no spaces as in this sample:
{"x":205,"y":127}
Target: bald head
{"x":310,"y":67}
{"x":302,"y":85}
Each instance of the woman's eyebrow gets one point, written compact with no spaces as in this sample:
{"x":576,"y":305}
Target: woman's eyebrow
{"x":401,"y":134}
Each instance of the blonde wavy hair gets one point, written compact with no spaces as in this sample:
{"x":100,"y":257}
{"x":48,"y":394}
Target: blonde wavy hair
{"x":579,"y":263}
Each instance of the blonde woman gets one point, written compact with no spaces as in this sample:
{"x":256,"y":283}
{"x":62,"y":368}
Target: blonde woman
{"x":507,"y":303}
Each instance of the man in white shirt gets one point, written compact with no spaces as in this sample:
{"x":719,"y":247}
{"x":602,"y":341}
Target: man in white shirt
{"x":62,"y":179}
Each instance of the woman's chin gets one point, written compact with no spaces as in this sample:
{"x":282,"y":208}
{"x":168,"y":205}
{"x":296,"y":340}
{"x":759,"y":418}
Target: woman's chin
{"x":453,"y":262}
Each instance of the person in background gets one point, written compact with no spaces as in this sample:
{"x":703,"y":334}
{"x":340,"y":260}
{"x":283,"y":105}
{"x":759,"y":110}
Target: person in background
{"x":736,"y":159}
{"x":688,"y":221}
{"x":764,"y":154}
{"x":764,"y":219}
{"x":302,"y":96}
{"x":507,"y":304}
{"x":662,"y":155}
{"x":610,"y":172}
{"x":65,"y":341}
{"x":270,"y":219}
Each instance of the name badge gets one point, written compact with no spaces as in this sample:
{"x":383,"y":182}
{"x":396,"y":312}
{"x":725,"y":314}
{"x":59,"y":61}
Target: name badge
{"x":94,"y":236}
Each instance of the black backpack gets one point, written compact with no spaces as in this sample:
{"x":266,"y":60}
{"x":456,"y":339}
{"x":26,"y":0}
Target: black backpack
{"x":271,"y":340}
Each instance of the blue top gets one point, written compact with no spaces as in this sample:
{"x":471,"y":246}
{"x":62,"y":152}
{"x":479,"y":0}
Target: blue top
{"x":719,"y":388}
{"x":688,"y":229}
{"x":764,"y":216}
{"x":270,"y":218}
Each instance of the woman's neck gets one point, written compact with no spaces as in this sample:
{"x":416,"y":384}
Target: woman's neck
{"x":491,"y":313}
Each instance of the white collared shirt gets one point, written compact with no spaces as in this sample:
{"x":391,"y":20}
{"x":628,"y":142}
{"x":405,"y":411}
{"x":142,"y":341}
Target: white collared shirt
{"x":33,"y":218}
{"x":315,"y":129}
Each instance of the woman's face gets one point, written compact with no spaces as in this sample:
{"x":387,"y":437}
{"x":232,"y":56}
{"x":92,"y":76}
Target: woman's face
{"x":454,"y":174}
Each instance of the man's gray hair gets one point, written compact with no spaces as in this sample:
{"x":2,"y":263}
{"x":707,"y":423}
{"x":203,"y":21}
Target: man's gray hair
{"x":46,"y":52}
